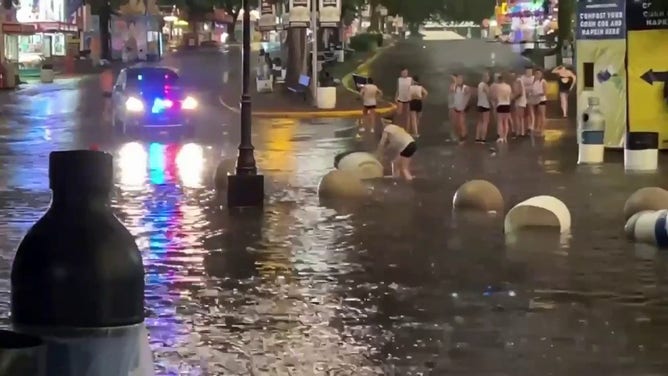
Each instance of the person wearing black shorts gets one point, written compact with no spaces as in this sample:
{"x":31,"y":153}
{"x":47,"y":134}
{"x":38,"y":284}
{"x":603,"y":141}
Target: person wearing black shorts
{"x":400,"y":147}
{"x":417,"y":94}
{"x":502,"y":97}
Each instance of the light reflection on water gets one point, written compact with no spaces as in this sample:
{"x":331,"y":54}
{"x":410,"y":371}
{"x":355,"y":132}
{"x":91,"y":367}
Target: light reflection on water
{"x":398,"y":283}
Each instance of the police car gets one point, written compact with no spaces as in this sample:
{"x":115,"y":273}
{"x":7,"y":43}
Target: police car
{"x":150,"y":97}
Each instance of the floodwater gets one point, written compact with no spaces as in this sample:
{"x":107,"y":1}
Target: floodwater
{"x":398,"y":285}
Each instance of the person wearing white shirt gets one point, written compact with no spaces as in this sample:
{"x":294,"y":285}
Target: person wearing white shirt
{"x":399,"y":146}
{"x":370,"y":93}
{"x":520,"y":110}
{"x":461,"y":95}
{"x":403,"y":96}
{"x":527,"y":83}
{"x":484,"y":106}
{"x":502,"y":96}
{"x":538,"y":91}
{"x":417,"y":94}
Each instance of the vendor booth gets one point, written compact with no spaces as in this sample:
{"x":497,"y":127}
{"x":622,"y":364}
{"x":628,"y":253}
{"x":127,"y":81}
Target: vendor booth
{"x":10,"y":34}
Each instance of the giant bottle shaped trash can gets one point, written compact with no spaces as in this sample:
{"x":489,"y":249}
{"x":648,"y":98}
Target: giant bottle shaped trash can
{"x":78,"y":280}
{"x":592,"y":147}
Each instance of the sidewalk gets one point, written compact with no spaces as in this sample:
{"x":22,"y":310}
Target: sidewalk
{"x":285,"y":104}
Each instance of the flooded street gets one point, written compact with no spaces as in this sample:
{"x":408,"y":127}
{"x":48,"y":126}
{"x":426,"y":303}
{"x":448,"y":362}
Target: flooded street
{"x":396,"y":286}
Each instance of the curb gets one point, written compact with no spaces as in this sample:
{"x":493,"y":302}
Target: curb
{"x":381,"y":111}
{"x":346,"y":81}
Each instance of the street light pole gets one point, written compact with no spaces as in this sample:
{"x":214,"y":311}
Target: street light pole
{"x":246,"y":187}
{"x":314,"y":50}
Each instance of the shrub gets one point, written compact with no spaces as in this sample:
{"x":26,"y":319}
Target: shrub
{"x":364,"y":42}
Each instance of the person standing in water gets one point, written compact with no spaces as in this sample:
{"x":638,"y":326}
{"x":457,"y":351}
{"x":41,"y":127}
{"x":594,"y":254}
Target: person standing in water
{"x":527,"y":82}
{"x":538,"y":90}
{"x":520,"y":110}
{"x":403,"y":98}
{"x":462,"y":95}
{"x":107,"y":86}
{"x":399,"y":146}
{"x":566,"y":85}
{"x":417,"y":94}
{"x":451,"y":106}
{"x":502,"y":96}
{"x":483,"y":109}
{"x":370,"y":93}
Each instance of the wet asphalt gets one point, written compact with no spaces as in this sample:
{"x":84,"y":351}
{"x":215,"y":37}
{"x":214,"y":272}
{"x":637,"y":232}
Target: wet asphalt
{"x":398,"y":285}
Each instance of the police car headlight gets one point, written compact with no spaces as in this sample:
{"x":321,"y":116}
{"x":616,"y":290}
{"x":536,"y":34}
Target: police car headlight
{"x":189,"y":103}
{"x":133,"y":104}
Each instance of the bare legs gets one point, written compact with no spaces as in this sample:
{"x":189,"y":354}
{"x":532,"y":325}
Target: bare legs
{"x":403,"y":115}
{"x":503,"y":125}
{"x":481,"y":126}
{"x":401,"y":168}
{"x":529,"y":117}
{"x":518,"y":114}
{"x":563,"y":98}
{"x":460,"y":117}
{"x":369,"y":119}
{"x":540,"y":119}
{"x":413,"y":123}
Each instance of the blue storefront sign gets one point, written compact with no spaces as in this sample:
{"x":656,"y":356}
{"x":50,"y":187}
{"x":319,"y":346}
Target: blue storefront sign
{"x":647,"y":15}
{"x":601,"y":19}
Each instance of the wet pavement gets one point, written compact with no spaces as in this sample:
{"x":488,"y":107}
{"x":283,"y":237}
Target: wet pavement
{"x":398,"y":285}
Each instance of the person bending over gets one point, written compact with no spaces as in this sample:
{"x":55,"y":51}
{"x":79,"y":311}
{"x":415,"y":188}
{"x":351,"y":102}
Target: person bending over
{"x":398,"y":146}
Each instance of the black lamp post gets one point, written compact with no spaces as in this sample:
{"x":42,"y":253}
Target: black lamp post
{"x":245,"y":188}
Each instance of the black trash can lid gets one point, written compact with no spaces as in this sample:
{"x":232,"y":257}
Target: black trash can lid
{"x":80,"y":170}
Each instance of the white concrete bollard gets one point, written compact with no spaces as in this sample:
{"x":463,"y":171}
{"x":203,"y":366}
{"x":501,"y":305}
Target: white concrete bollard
{"x":641,"y":152}
{"x":479,"y":195}
{"x":361,"y":164}
{"x":538,"y":211}
{"x":342,"y":184}
{"x":591,"y":149}
{"x":647,"y":198}
{"x":648,"y":227}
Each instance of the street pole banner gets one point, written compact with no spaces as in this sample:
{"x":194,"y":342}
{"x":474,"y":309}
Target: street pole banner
{"x":300,"y":13}
{"x":267,"y":21}
{"x":600,"y":70}
{"x":647,"y":59}
{"x":330,"y":13}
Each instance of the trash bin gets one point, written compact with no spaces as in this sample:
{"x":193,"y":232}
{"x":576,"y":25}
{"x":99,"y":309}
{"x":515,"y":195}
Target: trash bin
{"x":46,"y":74}
{"x":21,"y":355}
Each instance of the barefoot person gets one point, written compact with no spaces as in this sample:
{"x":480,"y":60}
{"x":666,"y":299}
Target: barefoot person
{"x":502,"y":96}
{"x":399,"y":147}
{"x":538,"y":91}
{"x":483,"y":109}
{"x":370,"y":93}
{"x":520,"y":110}
{"x":566,"y":85}
{"x":462,"y":94}
{"x":403,"y":98}
{"x":451,"y":106}
{"x":418,"y":94}
{"x":107,"y":86}
{"x":527,"y":81}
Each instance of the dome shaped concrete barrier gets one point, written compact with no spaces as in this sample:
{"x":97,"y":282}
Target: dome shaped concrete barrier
{"x":361,"y":164}
{"x":648,"y":198}
{"x":538,"y":211}
{"x":648,"y":227}
{"x":342,"y":184}
{"x":478,"y":195}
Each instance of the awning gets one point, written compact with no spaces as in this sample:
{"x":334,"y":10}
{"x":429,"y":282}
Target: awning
{"x":18,"y":28}
{"x":54,"y":27}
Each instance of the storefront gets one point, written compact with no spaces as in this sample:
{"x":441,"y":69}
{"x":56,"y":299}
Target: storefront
{"x":51,"y":34}
{"x":12,"y":33}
